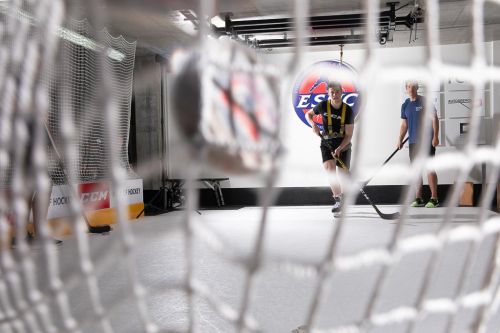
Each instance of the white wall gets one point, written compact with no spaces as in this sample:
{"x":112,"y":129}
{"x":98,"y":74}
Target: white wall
{"x":303,"y":164}
{"x":495,"y":96}
{"x":381,"y":119}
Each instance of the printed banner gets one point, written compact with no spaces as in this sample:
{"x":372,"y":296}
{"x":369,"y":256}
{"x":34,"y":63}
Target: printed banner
{"x":459,"y":104}
{"x":93,"y":196}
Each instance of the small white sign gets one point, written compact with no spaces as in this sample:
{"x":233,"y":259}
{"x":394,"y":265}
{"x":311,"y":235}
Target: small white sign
{"x":459,"y":104}
{"x":60,"y":199}
{"x":133,"y":191}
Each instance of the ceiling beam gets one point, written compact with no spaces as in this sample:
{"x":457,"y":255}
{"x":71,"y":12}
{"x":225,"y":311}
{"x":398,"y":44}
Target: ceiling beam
{"x":251,"y":29}
{"x":312,"y":41}
{"x":286,"y":24}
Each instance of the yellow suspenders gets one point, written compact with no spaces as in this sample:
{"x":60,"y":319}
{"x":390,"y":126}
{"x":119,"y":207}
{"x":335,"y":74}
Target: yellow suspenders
{"x":329,"y":117}
{"x":342,"y":120}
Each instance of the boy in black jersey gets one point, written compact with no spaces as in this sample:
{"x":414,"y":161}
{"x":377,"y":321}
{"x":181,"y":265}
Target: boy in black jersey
{"x":338,"y":127}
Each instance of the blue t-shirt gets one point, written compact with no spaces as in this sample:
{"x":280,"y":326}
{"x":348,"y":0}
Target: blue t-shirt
{"x":413,"y":111}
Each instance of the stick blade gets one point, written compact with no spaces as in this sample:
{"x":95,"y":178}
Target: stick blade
{"x":393,"y":216}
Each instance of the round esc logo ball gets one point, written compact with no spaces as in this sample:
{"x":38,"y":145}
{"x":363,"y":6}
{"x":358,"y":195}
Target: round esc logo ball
{"x":311,"y":87}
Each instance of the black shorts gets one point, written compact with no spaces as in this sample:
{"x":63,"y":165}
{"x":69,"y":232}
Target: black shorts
{"x":329,"y":146}
{"x":413,"y":151}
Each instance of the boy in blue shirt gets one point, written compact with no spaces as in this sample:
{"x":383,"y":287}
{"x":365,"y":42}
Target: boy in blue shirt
{"x":412,"y":112}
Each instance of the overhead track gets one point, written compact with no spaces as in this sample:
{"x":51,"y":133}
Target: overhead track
{"x":249,"y":30}
{"x":313,"y":41}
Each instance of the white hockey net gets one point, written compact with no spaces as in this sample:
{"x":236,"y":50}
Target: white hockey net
{"x":143,"y":280}
{"x":78,"y":50}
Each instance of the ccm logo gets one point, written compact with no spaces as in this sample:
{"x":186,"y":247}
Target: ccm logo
{"x":93,"y":196}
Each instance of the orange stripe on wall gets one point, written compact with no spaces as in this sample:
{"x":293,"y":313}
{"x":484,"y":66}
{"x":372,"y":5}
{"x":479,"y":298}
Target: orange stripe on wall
{"x":109,"y":215}
{"x":62,"y":226}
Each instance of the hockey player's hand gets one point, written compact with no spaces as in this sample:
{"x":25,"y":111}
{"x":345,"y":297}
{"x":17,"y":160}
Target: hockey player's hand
{"x":336,"y":153}
{"x":435,"y":141}
{"x":316,"y":129}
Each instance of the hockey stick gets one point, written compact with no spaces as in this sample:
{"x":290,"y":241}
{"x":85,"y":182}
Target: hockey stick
{"x":392,"y":216}
{"x":92,"y":229}
{"x":385,"y":162}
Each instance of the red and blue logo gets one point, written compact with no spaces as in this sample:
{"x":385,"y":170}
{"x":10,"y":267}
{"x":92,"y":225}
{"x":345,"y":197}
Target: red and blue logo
{"x":311,"y":87}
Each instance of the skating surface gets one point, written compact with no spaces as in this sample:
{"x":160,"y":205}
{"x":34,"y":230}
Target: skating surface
{"x":279,"y":298}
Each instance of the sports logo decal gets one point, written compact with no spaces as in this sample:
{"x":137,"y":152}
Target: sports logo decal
{"x":94,"y":196}
{"x":311,"y":87}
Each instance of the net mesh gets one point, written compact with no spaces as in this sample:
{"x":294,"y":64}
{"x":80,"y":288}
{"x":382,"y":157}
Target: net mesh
{"x":78,"y":49}
{"x":88,"y":119}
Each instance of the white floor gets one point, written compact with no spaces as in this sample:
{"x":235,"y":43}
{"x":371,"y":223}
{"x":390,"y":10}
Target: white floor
{"x":281,"y":293}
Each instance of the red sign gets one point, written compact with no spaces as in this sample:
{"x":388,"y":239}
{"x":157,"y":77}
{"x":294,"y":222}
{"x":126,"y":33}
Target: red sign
{"x":94,"y":196}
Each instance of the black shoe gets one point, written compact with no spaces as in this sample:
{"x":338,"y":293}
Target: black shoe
{"x":32,"y":239}
{"x":337,"y":206}
{"x":418,"y":202}
{"x":56,"y":241}
{"x":433,"y":203}
{"x":33,"y":243}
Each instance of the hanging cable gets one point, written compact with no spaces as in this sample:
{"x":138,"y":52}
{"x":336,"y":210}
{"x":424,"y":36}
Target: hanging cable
{"x":341,"y":54}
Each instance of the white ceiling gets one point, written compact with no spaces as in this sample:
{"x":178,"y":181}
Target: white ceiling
{"x":153,"y":23}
